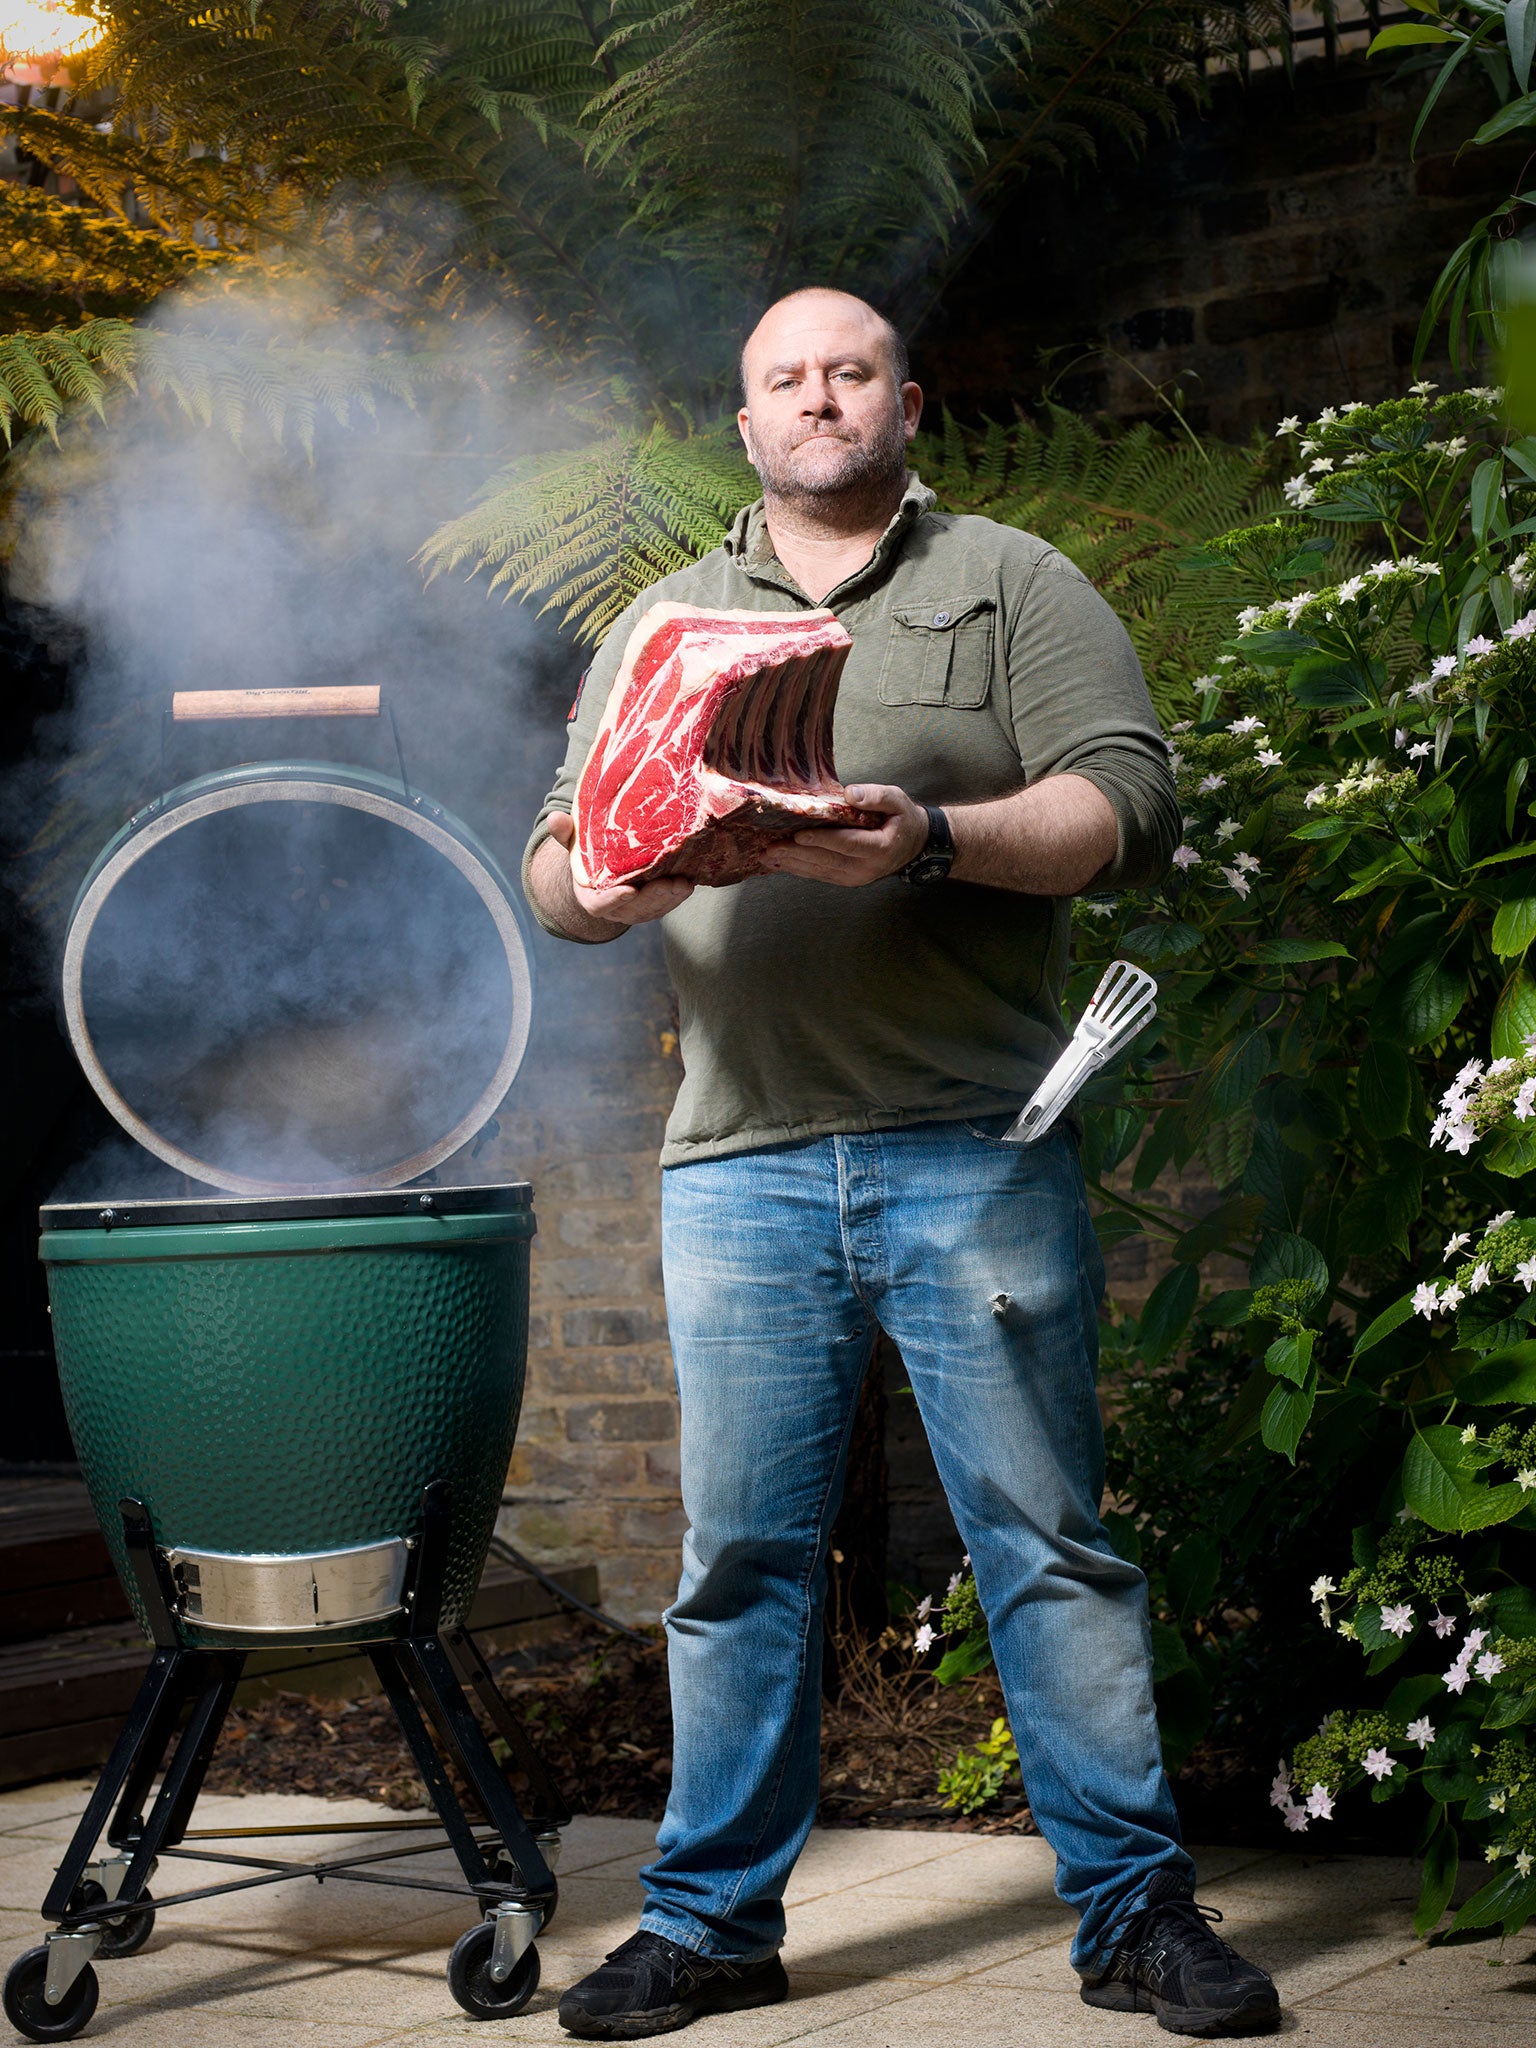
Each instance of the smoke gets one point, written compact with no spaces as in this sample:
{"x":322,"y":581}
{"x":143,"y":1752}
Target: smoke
{"x":290,"y":994}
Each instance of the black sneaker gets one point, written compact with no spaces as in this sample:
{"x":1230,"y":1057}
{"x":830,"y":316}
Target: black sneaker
{"x":1170,"y":1963}
{"x":651,"y":1985}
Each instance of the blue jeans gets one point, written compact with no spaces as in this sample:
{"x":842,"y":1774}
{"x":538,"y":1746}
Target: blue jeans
{"x":978,"y":1259}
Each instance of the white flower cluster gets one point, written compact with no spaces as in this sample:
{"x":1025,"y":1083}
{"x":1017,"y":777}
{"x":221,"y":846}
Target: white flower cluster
{"x":1357,"y":782}
{"x":1465,"y":666}
{"x":1454,"y":1127}
{"x":1488,"y":1664}
{"x":1244,"y":865}
{"x":1430,"y":1296}
{"x":1325,"y":606}
{"x":1297,"y":1815}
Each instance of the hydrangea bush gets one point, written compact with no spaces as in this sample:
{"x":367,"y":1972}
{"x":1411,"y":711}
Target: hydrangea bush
{"x":1347,"y":1045}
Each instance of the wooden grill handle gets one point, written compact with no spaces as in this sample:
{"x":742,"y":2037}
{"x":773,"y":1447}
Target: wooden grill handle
{"x":331,"y":700}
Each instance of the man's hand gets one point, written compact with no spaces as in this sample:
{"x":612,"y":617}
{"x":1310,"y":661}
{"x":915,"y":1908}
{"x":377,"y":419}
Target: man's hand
{"x":1052,"y":839}
{"x":593,"y":915}
{"x":852,"y":856}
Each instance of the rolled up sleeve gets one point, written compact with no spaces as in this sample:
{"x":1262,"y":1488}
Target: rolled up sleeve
{"x":1079,"y":706}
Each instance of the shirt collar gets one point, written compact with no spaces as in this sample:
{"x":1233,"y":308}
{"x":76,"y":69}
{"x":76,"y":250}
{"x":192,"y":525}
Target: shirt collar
{"x":748,"y":541}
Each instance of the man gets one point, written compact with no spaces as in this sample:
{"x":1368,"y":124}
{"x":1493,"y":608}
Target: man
{"x":858,"y":1029}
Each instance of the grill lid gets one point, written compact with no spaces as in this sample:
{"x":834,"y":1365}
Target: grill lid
{"x":296,"y":979}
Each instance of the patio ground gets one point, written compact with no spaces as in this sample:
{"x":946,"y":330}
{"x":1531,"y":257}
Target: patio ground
{"x":897,"y":1939}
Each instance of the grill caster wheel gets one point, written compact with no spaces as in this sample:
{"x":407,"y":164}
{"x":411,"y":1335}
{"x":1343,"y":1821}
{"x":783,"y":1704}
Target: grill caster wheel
{"x":31,"y":2014}
{"x":505,"y":1867}
{"x":470,"y":1980}
{"x":123,"y":1937}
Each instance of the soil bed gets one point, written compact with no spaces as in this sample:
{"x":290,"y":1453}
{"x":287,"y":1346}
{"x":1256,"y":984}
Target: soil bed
{"x":597,"y":1710}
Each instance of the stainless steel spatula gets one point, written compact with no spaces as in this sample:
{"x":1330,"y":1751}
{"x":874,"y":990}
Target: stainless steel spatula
{"x":1123,"y":1004}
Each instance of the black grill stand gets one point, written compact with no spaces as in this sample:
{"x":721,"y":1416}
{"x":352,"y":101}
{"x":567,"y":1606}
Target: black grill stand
{"x":102,"y":1904}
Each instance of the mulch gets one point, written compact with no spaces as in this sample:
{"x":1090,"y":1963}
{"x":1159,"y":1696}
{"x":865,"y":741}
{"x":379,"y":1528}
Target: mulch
{"x":597,"y":1709}
{"x":598,"y":1712}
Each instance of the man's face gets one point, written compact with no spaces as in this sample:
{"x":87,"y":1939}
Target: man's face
{"x":824,"y":417}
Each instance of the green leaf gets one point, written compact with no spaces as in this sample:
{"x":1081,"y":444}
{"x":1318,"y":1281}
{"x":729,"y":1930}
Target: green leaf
{"x":1124,"y":1534}
{"x":1242,"y":1418}
{"x":1275,"y":649}
{"x":1166,"y":1315}
{"x":1443,"y":1492}
{"x":1283,"y":952}
{"x":1231,"y":1080}
{"x":1319,"y":682}
{"x":1417,"y":1006}
{"x":1323,"y":828}
{"x":1512,"y":1152}
{"x":1520,"y":34}
{"x":1384,"y":1088}
{"x":1514,"y":1020}
{"x":1410,"y":1696}
{"x":1483,"y":497}
{"x":1389,"y":1320}
{"x":1162,"y":941}
{"x":1380,"y":1213}
{"x":1506,"y":1901}
{"x":1216,"y":1232}
{"x":1511,"y":1709}
{"x":1404,"y":32}
{"x":1113,"y":1226}
{"x":965,"y":1659}
{"x":1290,"y":1356}
{"x":1192,"y":1573}
{"x":1168,"y":1652}
{"x":1501,"y":1379}
{"x":1514,"y":1610}
{"x":1281,"y":1255}
{"x":1441,"y":1856}
{"x":1514,"y":927}
{"x":1519,"y":113}
{"x":1163,"y":1140}
{"x":1286,"y":1415}
{"x":1494,"y":860}
{"x":1226,"y":1311}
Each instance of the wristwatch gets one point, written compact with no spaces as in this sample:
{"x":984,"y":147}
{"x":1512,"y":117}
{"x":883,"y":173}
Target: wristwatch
{"x":938,"y":855}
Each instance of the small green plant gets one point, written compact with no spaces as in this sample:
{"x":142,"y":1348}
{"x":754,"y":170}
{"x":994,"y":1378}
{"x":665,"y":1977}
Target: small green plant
{"x":978,"y":1774}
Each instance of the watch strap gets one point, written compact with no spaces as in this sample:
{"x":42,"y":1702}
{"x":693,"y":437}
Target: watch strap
{"x":933,"y":862}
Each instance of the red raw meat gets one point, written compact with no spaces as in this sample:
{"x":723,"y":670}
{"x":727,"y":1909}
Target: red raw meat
{"x":716,"y":742}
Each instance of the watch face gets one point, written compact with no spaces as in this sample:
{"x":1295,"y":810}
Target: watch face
{"x":933,"y":868}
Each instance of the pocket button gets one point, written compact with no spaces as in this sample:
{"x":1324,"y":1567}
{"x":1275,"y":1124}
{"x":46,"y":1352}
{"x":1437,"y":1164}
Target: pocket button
{"x":941,"y":618}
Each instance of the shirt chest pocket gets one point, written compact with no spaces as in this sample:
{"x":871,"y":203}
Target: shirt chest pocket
{"x":939,"y":652}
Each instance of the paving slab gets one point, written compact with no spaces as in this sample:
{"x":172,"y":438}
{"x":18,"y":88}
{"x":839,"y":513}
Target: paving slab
{"x":897,"y":1938}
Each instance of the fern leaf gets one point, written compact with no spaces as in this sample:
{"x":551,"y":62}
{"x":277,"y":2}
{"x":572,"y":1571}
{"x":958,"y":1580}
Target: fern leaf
{"x":588,"y":530}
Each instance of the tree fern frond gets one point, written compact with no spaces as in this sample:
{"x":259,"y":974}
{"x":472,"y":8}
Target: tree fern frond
{"x":219,"y":380}
{"x":588,"y":530}
{"x":73,"y":250}
{"x":1130,"y":509}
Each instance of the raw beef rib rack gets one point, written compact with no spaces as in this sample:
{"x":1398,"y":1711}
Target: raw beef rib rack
{"x":715,"y":743}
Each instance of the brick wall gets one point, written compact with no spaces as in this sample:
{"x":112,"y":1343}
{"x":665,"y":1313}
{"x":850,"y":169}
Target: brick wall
{"x":1273,"y":256}
{"x":594,"y":1473}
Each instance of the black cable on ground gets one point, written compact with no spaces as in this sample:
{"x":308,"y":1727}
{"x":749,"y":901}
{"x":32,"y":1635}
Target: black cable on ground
{"x":501,"y":1548}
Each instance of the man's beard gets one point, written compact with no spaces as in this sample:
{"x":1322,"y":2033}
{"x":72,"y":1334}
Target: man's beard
{"x":873,"y":468}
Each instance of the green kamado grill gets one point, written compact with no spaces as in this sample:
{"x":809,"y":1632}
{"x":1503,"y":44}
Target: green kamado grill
{"x":293,"y":1388}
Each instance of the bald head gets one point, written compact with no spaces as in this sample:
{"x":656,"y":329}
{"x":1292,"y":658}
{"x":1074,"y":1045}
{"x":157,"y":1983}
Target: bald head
{"x":813,"y":308}
{"x":828,"y":409}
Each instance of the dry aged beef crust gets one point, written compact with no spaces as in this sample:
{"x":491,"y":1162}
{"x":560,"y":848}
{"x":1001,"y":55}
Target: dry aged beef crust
{"x":715,"y":742}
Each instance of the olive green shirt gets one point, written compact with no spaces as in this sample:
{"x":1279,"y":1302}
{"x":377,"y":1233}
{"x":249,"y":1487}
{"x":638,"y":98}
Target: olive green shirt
{"x":982,"y":660}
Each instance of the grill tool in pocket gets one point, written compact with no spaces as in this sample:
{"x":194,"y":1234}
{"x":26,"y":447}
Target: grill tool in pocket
{"x":1123,"y":1004}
